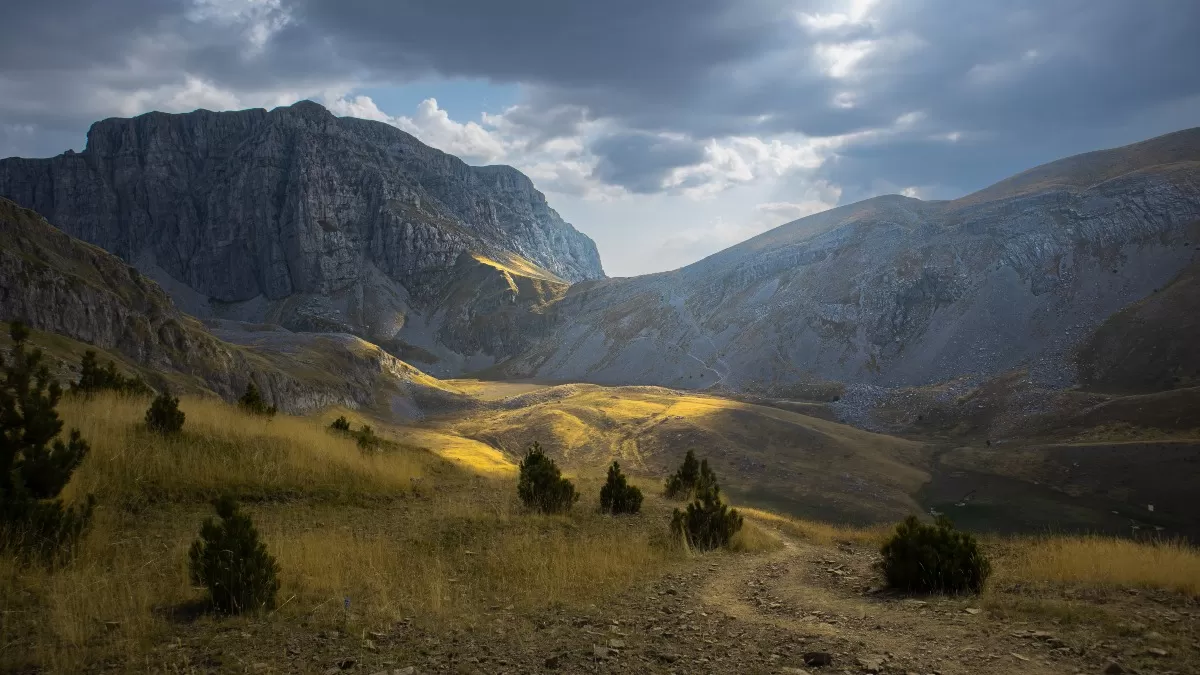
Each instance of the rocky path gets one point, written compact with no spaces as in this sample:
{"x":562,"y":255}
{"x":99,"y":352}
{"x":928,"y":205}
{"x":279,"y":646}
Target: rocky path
{"x":786,"y":612}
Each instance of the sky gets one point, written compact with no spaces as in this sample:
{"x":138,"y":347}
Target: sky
{"x":667,"y":129}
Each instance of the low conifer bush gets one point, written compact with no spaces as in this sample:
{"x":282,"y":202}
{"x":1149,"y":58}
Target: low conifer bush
{"x":253,"y":402}
{"x":229,"y":560}
{"x":35,"y":464}
{"x":95,"y":378}
{"x":708,"y":522}
{"x":617,"y":495}
{"x":164,"y":416}
{"x":340,"y":424}
{"x":933,"y":558}
{"x":541,"y":486}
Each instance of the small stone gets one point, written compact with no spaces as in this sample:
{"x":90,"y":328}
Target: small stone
{"x":407,"y":670}
{"x":1155,"y":651}
{"x":1114,"y":668}
{"x":552,"y":662}
{"x":600,"y":652}
{"x":1019,"y":657}
{"x":347,"y":663}
{"x":1153,"y":636}
{"x":817,"y":659}
{"x":616,"y":644}
{"x":972,"y":610}
{"x":871,"y":664}
{"x":787,"y":670}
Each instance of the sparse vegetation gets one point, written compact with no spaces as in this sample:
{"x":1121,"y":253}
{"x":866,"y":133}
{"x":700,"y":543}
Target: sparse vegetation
{"x":540,"y":484}
{"x":340,"y":424}
{"x":253,"y":402}
{"x":1104,"y":561}
{"x":366,"y":438}
{"x":229,"y":560}
{"x":708,"y":522}
{"x":618,"y":496}
{"x":933,"y":558}
{"x":164,"y":416}
{"x":35,"y":464}
{"x":95,"y":378}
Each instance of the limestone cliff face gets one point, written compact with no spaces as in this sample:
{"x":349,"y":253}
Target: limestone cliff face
{"x":293,"y":215}
{"x":895,"y":291}
{"x":58,"y":284}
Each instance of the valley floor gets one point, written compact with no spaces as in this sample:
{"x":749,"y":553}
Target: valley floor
{"x":736,"y":613}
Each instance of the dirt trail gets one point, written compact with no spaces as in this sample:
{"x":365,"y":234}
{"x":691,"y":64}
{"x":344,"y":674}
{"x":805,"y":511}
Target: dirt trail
{"x":822,"y":597}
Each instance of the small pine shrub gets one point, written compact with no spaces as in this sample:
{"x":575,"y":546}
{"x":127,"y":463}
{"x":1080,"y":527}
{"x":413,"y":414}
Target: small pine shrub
{"x":681,"y":484}
{"x":707,"y":523}
{"x":164,"y":416}
{"x":229,"y":560}
{"x":367,"y":440}
{"x":617,"y":495}
{"x":95,"y":378}
{"x":340,"y":424}
{"x":35,"y":464}
{"x":933,"y":558}
{"x":541,"y":486}
{"x":253,"y":403}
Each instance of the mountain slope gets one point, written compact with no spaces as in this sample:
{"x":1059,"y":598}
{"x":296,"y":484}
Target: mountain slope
{"x":58,"y":284}
{"x":896,"y":291}
{"x":294,"y":215}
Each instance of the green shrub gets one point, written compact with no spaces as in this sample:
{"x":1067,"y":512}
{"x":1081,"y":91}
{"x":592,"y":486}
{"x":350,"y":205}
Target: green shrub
{"x":933,"y":558}
{"x":541,"y":486}
{"x":340,"y":424}
{"x":252,"y":402}
{"x":163,"y":415}
{"x":692,"y":479}
{"x":707,"y":523}
{"x":35,"y":464}
{"x":366,"y":438}
{"x":94,"y":378}
{"x":229,"y":560}
{"x":617,"y":495}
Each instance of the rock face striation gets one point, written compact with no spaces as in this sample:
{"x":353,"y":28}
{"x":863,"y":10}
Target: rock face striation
{"x":301,"y":218}
{"x":58,"y":284}
{"x":894,"y":291}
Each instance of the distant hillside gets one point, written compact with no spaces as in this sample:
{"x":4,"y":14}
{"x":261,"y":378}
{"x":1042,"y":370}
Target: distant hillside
{"x":895,"y":291}
{"x":59,"y":284}
{"x":307,"y":220}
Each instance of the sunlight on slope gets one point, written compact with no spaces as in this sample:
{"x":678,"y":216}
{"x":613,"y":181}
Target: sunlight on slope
{"x":516,"y":265}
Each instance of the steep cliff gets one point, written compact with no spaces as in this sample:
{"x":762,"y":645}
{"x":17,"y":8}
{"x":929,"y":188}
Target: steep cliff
{"x":58,"y":284}
{"x":299,"y":217}
{"x":895,"y":291}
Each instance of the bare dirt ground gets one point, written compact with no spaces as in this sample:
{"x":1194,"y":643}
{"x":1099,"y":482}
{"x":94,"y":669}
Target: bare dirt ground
{"x":755,"y":614}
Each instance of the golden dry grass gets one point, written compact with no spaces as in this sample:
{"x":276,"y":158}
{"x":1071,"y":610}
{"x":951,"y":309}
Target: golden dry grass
{"x":816,"y":531}
{"x":1104,"y":561}
{"x":442,"y":548}
{"x":754,"y":539}
{"x":224,"y":449}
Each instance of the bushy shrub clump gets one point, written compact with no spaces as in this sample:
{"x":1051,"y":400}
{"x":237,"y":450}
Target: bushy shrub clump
{"x":617,"y":495}
{"x":252,"y":402}
{"x":707,"y":522}
{"x":933,"y":558}
{"x":691,"y":480}
{"x":340,"y":424}
{"x":541,"y":486}
{"x":366,"y":438}
{"x":95,"y":378}
{"x":164,"y":416}
{"x":229,"y":560}
{"x":35,"y":464}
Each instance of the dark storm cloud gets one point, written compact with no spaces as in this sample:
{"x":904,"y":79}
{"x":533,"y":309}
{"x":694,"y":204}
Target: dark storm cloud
{"x":639,"y":161}
{"x":1022,"y":81}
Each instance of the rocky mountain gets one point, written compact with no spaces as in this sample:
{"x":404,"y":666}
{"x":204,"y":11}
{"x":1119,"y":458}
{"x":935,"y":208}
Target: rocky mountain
{"x":311,"y":221}
{"x":894,"y":291}
{"x":58,"y":284}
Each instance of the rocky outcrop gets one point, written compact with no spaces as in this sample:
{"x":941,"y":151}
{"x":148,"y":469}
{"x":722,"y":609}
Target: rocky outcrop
{"x":58,"y":284}
{"x":294,"y":215}
{"x":895,"y":291}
